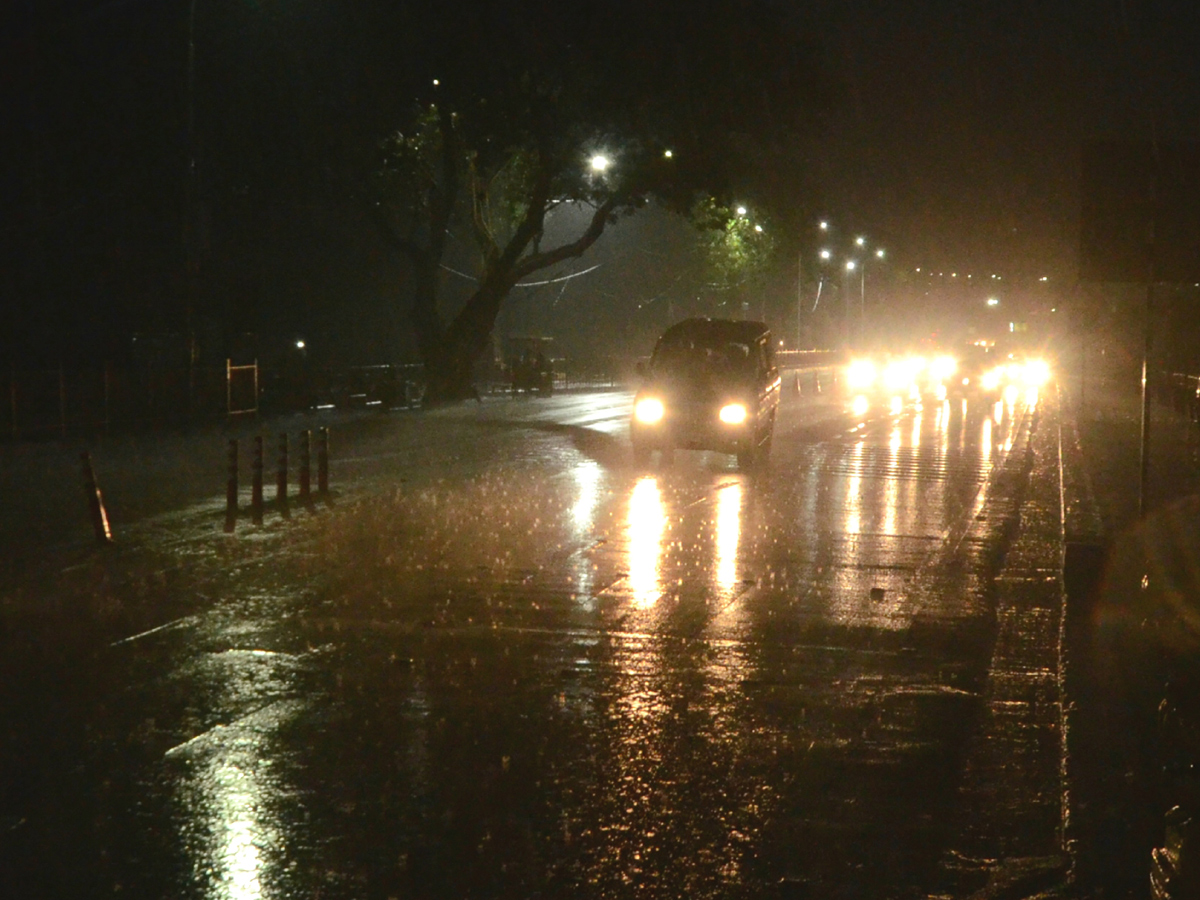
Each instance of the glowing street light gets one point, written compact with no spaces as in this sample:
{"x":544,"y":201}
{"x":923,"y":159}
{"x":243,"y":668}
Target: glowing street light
{"x":860,"y":241}
{"x":667,"y":154}
{"x":879,"y":253}
{"x":741,"y":210}
{"x":758,"y":228}
{"x":993,"y":301}
{"x":851,"y":265}
{"x":824,"y":226}
{"x":600,"y":163}
{"x":826,"y":255}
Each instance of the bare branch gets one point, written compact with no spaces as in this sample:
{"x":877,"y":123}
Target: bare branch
{"x":591,"y":234}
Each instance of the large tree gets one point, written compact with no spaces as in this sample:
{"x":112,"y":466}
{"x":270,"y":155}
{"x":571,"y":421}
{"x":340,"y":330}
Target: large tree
{"x":528,"y":106}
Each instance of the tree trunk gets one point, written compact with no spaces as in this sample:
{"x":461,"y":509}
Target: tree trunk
{"x":449,"y":368}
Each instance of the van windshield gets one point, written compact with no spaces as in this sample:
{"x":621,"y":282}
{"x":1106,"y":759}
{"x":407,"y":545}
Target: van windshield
{"x":731,"y":359}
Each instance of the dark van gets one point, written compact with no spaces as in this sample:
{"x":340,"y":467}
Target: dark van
{"x":711,"y":384}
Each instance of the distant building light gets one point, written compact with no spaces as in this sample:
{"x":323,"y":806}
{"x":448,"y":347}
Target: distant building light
{"x":436,"y":82}
{"x":918,"y":268}
{"x":299,"y":345}
{"x":1043,"y":278}
{"x":992,"y":301}
{"x":668,"y":154}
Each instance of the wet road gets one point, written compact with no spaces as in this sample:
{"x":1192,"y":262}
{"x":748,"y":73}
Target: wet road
{"x":512,"y":664}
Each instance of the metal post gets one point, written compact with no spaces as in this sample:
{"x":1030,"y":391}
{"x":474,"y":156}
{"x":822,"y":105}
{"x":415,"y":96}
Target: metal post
{"x":862,"y":307}
{"x":305,"y":472}
{"x":95,"y":502}
{"x":231,"y":488}
{"x":799,"y":298}
{"x":256,"y":495}
{"x":1148,"y":338}
{"x":62,"y":401}
{"x":107,"y":395}
{"x":323,"y":461}
{"x":281,"y":476}
{"x":12,"y":399}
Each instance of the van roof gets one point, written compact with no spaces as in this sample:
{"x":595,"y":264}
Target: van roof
{"x":716,"y":330}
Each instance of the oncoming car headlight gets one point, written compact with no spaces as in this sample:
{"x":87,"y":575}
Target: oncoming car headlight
{"x":1036,"y":372}
{"x":898,"y":376}
{"x":648,"y":410}
{"x":991,"y":379}
{"x":943,"y":367}
{"x":860,"y":374}
{"x":732,"y":414}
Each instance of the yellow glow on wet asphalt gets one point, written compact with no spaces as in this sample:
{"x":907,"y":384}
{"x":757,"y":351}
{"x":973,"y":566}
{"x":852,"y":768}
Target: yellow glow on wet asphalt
{"x":647,"y":521}
{"x":854,"y":491}
{"x":588,"y":475}
{"x":985,"y":441}
{"x":729,"y":532}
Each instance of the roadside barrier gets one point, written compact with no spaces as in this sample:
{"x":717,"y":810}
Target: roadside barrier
{"x":95,"y":501}
{"x":231,"y":487}
{"x":281,"y":473}
{"x":305,"y":494}
{"x":305,"y":472}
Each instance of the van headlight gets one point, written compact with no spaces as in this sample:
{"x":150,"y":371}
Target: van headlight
{"x":733,"y":413}
{"x":648,"y":410}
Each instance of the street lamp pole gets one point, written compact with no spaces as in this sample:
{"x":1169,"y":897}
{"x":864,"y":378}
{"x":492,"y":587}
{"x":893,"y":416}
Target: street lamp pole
{"x":799,"y":298}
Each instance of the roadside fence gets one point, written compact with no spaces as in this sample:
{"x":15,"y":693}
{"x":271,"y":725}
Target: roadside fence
{"x":41,"y":403}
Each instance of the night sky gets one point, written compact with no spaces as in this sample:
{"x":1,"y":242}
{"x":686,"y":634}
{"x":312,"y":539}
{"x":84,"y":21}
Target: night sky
{"x":952,"y":134}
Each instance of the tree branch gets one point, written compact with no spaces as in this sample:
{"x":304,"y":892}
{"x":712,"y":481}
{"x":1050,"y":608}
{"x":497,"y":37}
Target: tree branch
{"x":591,"y":234}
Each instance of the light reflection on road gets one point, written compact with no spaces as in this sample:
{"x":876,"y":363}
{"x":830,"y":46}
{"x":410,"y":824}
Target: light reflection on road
{"x":588,"y":478}
{"x":729,"y":529}
{"x":854,"y":490}
{"x":647,"y":521}
{"x":230,"y":791}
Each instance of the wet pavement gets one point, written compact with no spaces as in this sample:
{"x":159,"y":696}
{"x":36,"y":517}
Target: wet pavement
{"x":1138,"y":628}
{"x":505,"y":662}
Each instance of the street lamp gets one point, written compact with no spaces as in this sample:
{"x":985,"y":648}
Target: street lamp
{"x":599,"y":163}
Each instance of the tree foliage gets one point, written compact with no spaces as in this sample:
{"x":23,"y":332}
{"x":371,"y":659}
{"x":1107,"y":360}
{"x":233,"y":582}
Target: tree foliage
{"x":691,"y":104}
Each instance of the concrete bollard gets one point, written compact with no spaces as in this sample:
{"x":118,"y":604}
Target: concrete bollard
{"x":305,"y":472}
{"x":281,"y":477}
{"x":323,"y":461}
{"x":231,"y":488}
{"x":95,"y":502}
{"x":256,"y":483}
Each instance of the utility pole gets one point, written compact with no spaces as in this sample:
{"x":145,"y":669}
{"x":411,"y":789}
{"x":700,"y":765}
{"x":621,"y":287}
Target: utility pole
{"x":799,"y":298}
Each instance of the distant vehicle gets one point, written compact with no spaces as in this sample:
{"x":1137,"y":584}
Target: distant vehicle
{"x":529,"y":366}
{"x":980,"y":372}
{"x":711,"y":384}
